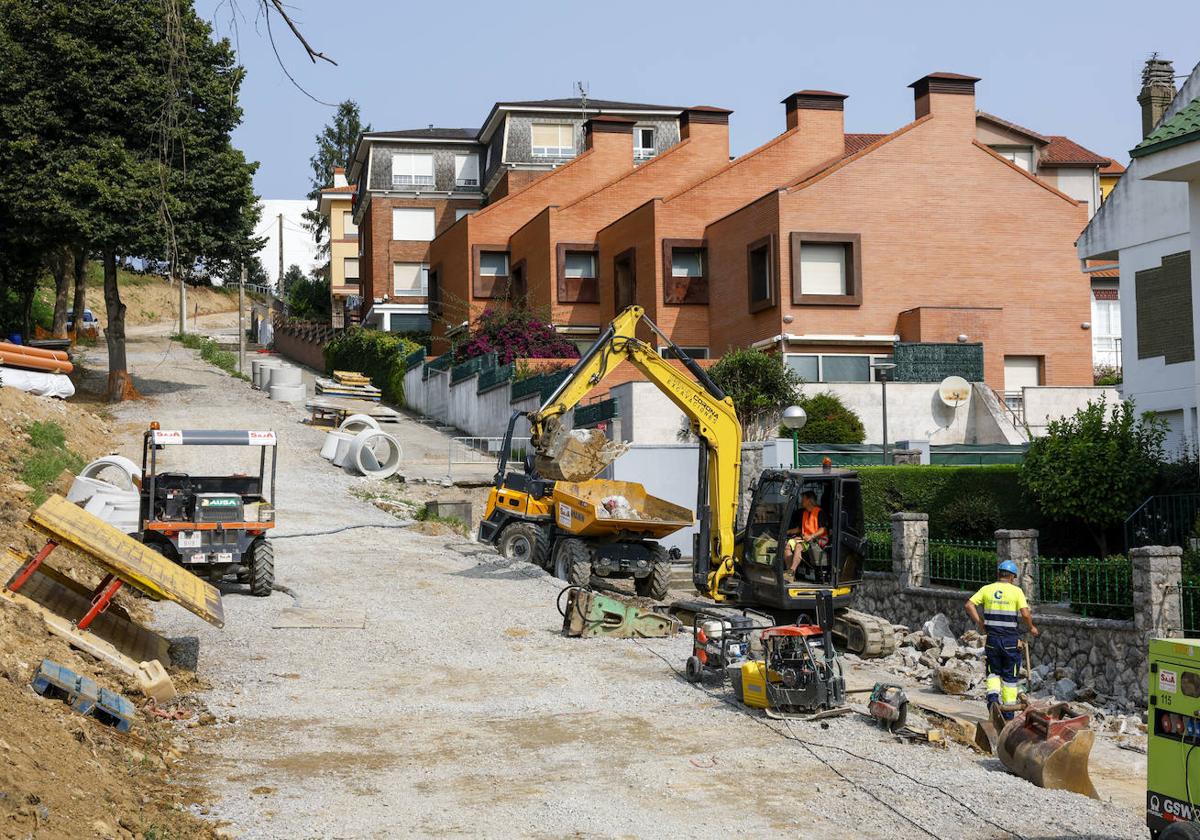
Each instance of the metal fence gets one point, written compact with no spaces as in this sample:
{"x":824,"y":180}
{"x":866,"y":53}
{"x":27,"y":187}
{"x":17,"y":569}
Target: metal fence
{"x":962,"y":564}
{"x":482,"y":450}
{"x":1163,"y":520}
{"x":877,"y":557}
{"x":1189,"y":609}
{"x":1090,"y":586}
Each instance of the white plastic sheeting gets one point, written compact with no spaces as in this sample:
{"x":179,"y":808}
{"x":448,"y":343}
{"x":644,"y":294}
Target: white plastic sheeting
{"x":37,"y":383}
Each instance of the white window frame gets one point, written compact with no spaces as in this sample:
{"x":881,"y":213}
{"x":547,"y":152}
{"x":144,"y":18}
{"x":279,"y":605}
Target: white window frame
{"x":640,"y":151}
{"x":558,"y":151}
{"x":872,"y":358}
{"x":410,"y":179}
{"x":460,"y":181}
{"x":809,"y":287}
{"x":357,"y":270}
{"x":423,"y":273}
{"x":1012,"y":153}
{"x":349,"y":229}
{"x":427,"y":212}
{"x":595,"y":259}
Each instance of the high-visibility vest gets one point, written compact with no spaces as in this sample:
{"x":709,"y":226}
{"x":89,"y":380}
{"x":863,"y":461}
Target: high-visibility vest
{"x":810,"y":522}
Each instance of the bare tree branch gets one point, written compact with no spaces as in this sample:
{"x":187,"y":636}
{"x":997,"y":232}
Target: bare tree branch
{"x":313,"y":55}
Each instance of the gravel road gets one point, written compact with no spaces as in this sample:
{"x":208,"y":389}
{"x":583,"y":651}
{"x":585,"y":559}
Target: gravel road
{"x":458,"y":710}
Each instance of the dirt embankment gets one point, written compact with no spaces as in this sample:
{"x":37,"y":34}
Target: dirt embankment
{"x":149,"y":300}
{"x":63,"y":775}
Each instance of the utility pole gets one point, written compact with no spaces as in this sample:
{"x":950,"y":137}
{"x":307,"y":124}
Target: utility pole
{"x":241,"y":321}
{"x":182,"y":303}
{"x":279,"y":279}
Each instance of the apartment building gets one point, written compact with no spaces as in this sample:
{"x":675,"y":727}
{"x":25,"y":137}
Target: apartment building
{"x":416,"y":184}
{"x":336,"y":204}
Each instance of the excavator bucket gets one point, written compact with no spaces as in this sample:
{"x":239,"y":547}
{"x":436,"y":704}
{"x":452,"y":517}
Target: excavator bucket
{"x":1049,"y":745}
{"x":575,"y":454}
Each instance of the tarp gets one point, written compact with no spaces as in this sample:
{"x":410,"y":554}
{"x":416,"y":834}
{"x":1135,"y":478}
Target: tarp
{"x":37,"y":383}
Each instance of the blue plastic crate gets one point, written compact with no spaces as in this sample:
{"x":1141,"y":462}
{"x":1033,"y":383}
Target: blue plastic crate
{"x":57,"y":681}
{"x":114,"y":709}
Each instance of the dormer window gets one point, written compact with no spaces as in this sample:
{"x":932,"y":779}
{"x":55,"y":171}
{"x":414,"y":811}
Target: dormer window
{"x":643,"y":143}
{"x":553,"y":140}
{"x":1022,"y":156}
{"x":412,"y":170}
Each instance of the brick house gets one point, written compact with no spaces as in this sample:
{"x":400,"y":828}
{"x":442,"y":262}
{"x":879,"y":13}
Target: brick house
{"x":416,"y":184}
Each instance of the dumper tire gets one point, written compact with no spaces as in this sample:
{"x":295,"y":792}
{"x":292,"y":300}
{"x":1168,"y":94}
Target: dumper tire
{"x":525,"y":541}
{"x":262,"y":568}
{"x":1180,"y":831}
{"x":573,"y":562}
{"x":656,"y":584}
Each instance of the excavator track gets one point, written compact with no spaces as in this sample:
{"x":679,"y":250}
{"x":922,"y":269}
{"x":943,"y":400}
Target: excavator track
{"x":864,"y":635}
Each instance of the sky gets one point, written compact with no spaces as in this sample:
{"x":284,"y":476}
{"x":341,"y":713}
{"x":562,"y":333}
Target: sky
{"x":1068,"y":67}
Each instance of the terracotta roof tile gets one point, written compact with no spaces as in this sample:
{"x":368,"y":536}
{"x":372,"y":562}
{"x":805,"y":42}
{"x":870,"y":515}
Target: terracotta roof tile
{"x":857,"y":142}
{"x":349,"y":188}
{"x":1063,"y":151}
{"x":1112,"y":168}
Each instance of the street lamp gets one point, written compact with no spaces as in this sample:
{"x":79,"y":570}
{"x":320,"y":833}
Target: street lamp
{"x":884,"y":370}
{"x":794,"y":417}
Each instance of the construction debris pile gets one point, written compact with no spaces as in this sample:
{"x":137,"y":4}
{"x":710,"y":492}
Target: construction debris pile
{"x":360,"y":447}
{"x":576,"y":454}
{"x":349,"y":383}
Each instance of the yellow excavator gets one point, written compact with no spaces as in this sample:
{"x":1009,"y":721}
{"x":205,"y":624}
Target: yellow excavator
{"x":553,"y":514}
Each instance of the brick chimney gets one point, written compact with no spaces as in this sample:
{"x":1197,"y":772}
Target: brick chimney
{"x":946,"y":95}
{"x":817,"y":118}
{"x":605,"y":131}
{"x":1158,"y":89}
{"x":708,"y":124}
{"x":339,"y":176}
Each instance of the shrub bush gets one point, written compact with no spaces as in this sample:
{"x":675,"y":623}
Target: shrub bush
{"x":513,"y":334}
{"x":761,"y":387}
{"x":379,"y":355}
{"x":829,"y":421}
{"x":954,"y":497}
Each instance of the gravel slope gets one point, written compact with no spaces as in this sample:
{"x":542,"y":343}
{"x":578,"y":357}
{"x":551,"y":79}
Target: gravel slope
{"x":459,"y":711}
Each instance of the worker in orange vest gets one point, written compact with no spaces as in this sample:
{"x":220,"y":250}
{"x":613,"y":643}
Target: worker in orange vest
{"x":811,"y":537}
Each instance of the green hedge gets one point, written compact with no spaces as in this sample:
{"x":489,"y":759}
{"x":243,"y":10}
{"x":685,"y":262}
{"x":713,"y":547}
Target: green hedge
{"x":962,"y":502}
{"x":380,"y":355}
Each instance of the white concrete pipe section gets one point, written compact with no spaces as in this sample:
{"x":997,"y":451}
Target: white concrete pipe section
{"x":285,"y":376}
{"x":343,"y":451}
{"x":264,"y":369}
{"x":333,"y":439}
{"x":356,"y":423}
{"x":121,"y":513}
{"x":374,"y":454}
{"x":288,"y":393}
{"x":130,"y":472}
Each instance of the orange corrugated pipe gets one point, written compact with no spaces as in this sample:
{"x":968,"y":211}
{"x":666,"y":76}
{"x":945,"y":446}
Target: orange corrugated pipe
{"x":33,"y":351}
{"x":35,"y":362}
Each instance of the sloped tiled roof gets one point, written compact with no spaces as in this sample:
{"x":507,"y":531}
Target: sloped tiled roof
{"x":1112,"y":168}
{"x":858,"y":142}
{"x":1012,"y":126}
{"x":430,"y":133}
{"x":1063,"y":151}
{"x":348,"y":188}
{"x":1184,"y":127}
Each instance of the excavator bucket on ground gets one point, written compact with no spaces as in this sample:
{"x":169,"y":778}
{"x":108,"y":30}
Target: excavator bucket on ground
{"x":1048,"y":744}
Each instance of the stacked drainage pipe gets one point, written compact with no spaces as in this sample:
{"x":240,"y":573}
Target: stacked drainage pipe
{"x":286,"y":385}
{"x":359,"y":447}
{"x":115,"y":503}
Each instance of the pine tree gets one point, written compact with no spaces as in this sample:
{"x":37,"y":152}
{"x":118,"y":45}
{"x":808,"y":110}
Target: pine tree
{"x":335,"y":144}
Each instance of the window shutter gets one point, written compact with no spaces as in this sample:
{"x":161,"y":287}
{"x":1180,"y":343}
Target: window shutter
{"x":822,"y":269}
{"x":466,"y":169}
{"x":413,"y":223}
{"x":408,"y":279}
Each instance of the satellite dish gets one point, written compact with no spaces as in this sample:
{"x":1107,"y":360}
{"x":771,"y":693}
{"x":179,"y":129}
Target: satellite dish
{"x":954,"y":391}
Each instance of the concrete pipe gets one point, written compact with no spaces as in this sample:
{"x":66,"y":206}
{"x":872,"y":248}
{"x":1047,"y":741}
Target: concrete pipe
{"x":83,"y":488}
{"x":130,"y":472}
{"x":264,"y":370}
{"x":343,"y":451}
{"x":288,"y":393}
{"x":374,"y":454}
{"x":120,"y":513}
{"x":285,"y":376}
{"x":332,"y":438}
{"x":356,"y":423}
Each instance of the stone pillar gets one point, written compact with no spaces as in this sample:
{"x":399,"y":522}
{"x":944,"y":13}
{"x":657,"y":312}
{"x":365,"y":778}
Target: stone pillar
{"x":910,"y":547}
{"x":1157,"y":577}
{"x":1021,"y":547}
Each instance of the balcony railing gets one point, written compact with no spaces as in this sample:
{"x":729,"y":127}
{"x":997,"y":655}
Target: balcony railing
{"x":412,"y":180}
{"x":466,"y":182}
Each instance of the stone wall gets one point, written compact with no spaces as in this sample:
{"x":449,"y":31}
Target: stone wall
{"x":1105,"y":654}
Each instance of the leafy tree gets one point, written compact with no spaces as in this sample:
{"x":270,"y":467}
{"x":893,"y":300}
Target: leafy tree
{"x":308,"y":297}
{"x":829,"y":421}
{"x":256,"y":274}
{"x":514,"y":333}
{"x":291,"y":277}
{"x":1094,"y":467}
{"x":335,"y":144}
{"x":761,"y":386}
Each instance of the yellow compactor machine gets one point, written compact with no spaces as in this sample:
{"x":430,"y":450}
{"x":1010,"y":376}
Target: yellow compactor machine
{"x":554,"y":513}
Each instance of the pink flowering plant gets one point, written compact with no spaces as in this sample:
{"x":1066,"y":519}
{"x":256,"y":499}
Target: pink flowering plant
{"x":513,"y":334}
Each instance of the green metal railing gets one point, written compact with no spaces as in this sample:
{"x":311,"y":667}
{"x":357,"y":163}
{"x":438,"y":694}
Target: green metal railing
{"x":493,"y":378}
{"x":878,"y":554}
{"x":471,"y":367}
{"x":1189,"y":607}
{"x":414,"y":358}
{"x":542,"y":384}
{"x":1090,"y":586}
{"x":1163,"y":520}
{"x":597,"y":412}
{"x":962,"y":564}
{"x":442,"y":362}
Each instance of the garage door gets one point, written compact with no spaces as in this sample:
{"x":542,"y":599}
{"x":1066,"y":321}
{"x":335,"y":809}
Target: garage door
{"x":1021,"y":372}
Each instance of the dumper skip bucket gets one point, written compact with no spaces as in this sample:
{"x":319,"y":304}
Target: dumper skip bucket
{"x":1049,"y":745}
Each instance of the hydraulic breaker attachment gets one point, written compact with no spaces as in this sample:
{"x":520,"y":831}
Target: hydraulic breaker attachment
{"x":589,"y":613}
{"x":1049,"y":745}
